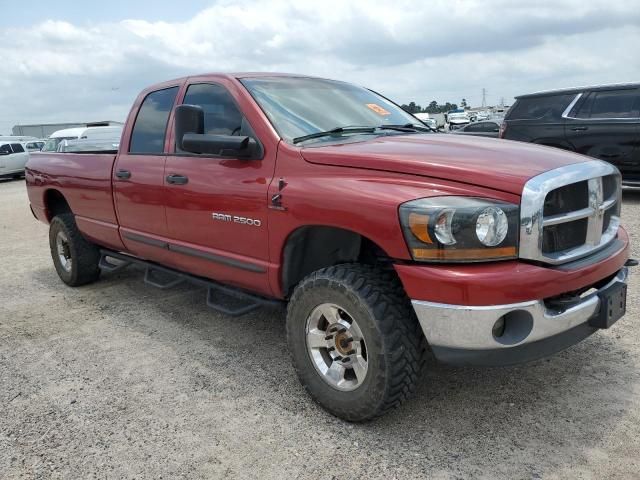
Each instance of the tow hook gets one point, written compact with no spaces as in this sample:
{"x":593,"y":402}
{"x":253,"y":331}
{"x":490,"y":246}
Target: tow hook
{"x":632,"y":262}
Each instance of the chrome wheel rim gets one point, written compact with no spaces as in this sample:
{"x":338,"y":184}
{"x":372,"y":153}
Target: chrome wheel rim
{"x":336,"y":347}
{"x":64,"y":251}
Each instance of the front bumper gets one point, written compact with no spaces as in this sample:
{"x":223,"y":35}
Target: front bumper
{"x":464,"y":335}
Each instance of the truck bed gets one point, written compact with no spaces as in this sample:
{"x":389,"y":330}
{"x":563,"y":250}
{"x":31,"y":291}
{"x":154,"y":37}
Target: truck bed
{"x":84,"y":179}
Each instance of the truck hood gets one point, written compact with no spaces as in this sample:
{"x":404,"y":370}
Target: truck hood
{"x":493,"y":163}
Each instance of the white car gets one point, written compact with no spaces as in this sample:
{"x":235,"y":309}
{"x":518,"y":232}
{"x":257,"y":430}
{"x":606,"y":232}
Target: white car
{"x":13,"y":158}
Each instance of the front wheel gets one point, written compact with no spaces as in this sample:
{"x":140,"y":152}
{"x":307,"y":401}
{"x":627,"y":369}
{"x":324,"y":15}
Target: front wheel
{"x":74,"y":258}
{"x":355,"y":341}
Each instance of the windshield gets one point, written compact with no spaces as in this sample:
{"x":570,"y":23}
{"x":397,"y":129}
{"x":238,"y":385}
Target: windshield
{"x":301,"y":106}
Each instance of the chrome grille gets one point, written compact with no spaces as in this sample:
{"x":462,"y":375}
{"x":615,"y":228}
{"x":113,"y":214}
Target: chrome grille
{"x":570,"y":212}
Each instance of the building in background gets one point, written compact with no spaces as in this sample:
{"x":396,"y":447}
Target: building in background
{"x":43,"y":130}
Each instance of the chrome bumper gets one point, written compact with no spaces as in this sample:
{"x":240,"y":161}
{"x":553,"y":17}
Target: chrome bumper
{"x":463,"y":334}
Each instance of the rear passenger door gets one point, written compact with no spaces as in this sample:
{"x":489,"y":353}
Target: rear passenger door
{"x":604,"y":125}
{"x":138,"y":178}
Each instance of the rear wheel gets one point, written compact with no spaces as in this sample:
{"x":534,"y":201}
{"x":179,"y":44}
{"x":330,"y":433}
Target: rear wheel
{"x":355,"y":341}
{"x":75,"y":259}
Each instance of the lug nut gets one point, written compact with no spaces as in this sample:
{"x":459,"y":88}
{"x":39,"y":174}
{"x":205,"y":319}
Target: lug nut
{"x":351,"y":352}
{"x":331,"y":349}
{"x":333,"y":329}
{"x":328,"y":337}
{"x":338,"y":358}
{"x":346,"y":359}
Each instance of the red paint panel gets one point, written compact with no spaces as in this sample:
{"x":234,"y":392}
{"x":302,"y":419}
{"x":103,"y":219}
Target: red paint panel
{"x":493,"y":163}
{"x":102,"y":233}
{"x":501,"y":283}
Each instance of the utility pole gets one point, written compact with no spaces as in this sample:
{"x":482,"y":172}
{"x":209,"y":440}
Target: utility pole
{"x":484,"y":98}
{"x":502,"y":102}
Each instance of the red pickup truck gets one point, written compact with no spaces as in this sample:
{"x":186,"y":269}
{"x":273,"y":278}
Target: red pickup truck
{"x":383,"y":237}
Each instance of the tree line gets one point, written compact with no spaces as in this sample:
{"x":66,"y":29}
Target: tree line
{"x":433,"y":107}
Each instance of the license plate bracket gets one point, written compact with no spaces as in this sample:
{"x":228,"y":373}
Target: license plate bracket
{"x":613,"y":305}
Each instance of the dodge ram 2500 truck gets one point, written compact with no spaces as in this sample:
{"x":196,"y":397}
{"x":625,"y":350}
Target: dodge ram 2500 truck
{"x":384,"y":238}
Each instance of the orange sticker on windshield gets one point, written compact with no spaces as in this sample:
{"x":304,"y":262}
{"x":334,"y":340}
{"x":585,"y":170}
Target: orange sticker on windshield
{"x":378,"y":109}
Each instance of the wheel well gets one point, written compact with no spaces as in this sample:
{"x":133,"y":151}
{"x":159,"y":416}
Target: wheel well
{"x":55,"y":204}
{"x":311,"y":248}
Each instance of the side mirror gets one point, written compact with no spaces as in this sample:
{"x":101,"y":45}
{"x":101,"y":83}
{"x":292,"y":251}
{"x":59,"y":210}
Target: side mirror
{"x":189,"y":119}
{"x":223,"y":145}
{"x":190,"y":137}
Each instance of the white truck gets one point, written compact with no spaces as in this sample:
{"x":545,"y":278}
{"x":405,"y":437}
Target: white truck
{"x":81,"y":133}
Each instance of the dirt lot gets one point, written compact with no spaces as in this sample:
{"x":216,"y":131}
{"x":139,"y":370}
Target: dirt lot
{"x":120,"y":380}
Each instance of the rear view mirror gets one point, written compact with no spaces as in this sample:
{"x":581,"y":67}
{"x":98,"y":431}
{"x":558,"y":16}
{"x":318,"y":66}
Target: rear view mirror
{"x":190,"y":137}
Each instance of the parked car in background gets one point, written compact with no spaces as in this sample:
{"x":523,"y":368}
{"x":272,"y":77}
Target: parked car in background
{"x":457,"y":119}
{"x":13,"y":158}
{"x":434,"y":120}
{"x":429,"y":122}
{"x":91,"y":133}
{"x":90,"y":146}
{"x":601,"y":121}
{"x":34,"y":146}
{"x":488,"y":128}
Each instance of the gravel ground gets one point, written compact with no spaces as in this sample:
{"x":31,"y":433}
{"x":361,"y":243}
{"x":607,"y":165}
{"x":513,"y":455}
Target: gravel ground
{"x":120,"y":380}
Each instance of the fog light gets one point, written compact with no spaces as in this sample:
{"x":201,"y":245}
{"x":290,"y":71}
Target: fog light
{"x":498,"y":328}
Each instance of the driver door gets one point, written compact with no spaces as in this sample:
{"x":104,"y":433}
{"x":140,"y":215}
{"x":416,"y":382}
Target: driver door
{"x":216,"y":206}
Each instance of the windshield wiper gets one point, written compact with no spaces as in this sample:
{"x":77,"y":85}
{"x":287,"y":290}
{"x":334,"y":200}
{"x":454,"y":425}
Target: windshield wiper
{"x":407,"y":127}
{"x":334,"y":131}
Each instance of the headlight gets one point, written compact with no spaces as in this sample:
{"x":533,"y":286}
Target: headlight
{"x":460,"y":229}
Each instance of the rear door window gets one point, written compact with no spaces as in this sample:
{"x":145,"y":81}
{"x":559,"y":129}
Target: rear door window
{"x":538,"y":107}
{"x":610,"y":104}
{"x":150,"y":127}
{"x":17,"y":148}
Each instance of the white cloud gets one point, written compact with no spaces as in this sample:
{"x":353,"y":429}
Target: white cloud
{"x":407,"y":50}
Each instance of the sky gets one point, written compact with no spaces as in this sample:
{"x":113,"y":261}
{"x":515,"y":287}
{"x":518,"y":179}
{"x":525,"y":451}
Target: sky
{"x":67,"y":61}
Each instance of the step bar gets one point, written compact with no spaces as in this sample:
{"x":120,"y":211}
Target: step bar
{"x":221,"y":298}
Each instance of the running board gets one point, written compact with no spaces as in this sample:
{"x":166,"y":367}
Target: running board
{"x":160,"y":279}
{"x":108,"y":267}
{"x":221,"y":298}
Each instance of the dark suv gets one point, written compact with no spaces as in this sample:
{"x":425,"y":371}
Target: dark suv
{"x":602,"y":122}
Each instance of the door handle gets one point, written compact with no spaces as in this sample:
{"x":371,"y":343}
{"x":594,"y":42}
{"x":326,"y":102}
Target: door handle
{"x":123,"y":174}
{"x":579,"y":129}
{"x":174,"y":179}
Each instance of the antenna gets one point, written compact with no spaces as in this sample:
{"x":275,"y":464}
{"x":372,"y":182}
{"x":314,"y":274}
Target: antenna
{"x":484,"y":98}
